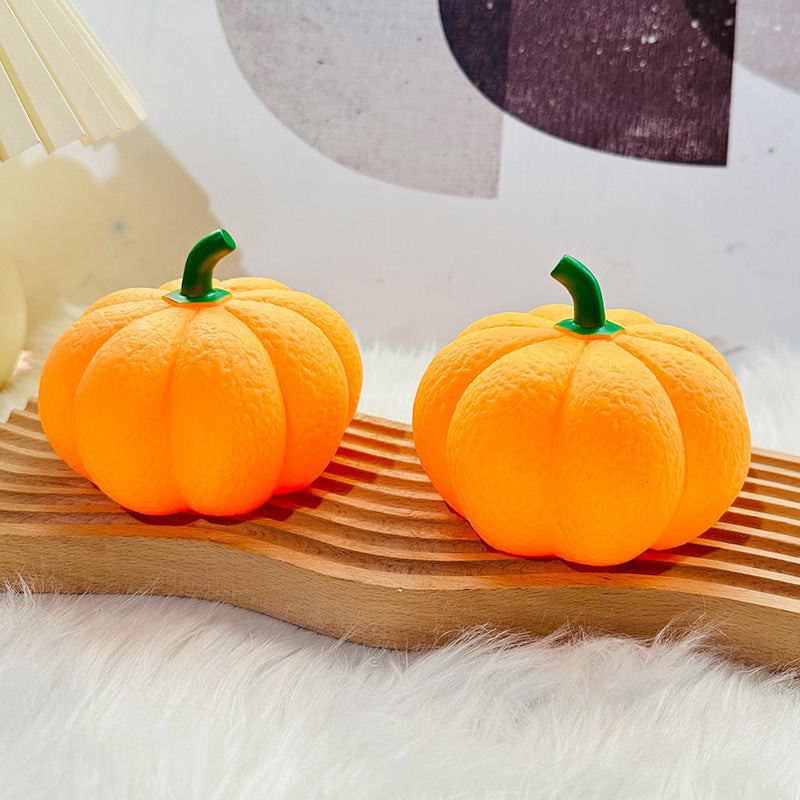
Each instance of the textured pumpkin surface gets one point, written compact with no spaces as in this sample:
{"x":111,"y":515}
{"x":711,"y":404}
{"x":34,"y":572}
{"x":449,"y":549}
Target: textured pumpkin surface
{"x":593,"y":449}
{"x":210,"y":407}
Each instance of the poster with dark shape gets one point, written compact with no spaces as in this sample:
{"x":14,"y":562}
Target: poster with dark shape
{"x":371,"y":85}
{"x":650,"y":80}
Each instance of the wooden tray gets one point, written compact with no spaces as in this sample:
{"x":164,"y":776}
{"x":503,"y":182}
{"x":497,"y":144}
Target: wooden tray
{"x":370,"y":553}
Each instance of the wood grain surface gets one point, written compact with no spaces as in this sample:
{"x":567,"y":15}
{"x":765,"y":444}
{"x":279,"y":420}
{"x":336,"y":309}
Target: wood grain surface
{"x":370,"y":553}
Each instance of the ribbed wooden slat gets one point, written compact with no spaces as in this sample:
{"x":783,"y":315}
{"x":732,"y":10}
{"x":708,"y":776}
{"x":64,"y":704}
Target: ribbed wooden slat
{"x":370,"y":552}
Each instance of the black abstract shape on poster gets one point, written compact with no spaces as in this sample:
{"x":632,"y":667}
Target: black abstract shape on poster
{"x":651,"y":80}
{"x":483,"y":30}
{"x":716,"y":19}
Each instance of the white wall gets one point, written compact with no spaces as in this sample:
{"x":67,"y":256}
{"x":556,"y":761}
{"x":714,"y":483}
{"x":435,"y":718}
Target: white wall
{"x":711,"y":249}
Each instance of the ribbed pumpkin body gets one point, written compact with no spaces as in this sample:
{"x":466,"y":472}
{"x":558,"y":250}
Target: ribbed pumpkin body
{"x":210,"y":407}
{"x":593,"y":449}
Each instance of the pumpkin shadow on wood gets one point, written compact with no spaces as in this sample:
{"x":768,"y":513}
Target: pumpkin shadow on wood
{"x":333,"y":483}
{"x":185,"y":518}
{"x":345,"y":470}
{"x":758,"y":521}
{"x":279,"y":508}
{"x":643,"y":566}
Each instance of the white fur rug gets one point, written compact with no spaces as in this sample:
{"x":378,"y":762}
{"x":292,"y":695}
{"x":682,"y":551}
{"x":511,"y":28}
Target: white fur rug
{"x":110,"y":697}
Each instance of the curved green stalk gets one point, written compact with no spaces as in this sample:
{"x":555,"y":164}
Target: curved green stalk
{"x":589,"y":313}
{"x":198,"y":274}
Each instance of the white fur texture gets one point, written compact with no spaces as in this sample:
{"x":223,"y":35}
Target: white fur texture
{"x":109,"y":697}
{"x":24,"y":382}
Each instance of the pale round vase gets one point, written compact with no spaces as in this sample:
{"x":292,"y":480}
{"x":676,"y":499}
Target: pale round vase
{"x":13,"y":317}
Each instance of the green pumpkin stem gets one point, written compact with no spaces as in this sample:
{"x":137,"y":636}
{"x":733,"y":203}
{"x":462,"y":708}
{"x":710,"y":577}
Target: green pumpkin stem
{"x":198,"y":274}
{"x":589,"y":313}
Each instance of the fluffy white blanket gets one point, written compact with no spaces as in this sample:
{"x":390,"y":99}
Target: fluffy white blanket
{"x":138,"y":697}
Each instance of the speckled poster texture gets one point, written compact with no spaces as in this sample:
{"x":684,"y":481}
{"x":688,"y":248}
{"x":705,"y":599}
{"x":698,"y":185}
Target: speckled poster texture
{"x":371,"y":84}
{"x":768,"y":40}
{"x":645,"y":79}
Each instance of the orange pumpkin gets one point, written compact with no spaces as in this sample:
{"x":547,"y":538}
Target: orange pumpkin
{"x":582,"y":437}
{"x":211,"y":397}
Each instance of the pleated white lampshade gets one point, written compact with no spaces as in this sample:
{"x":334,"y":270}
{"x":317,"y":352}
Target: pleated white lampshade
{"x":57,"y":82}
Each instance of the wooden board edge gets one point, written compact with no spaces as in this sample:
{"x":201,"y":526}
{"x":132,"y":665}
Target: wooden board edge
{"x":389,"y":617}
